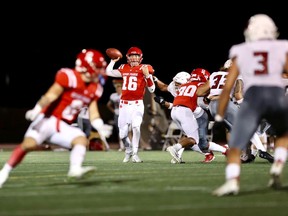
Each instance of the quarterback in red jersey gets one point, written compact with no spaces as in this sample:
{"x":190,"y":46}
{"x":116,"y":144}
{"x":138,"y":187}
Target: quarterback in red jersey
{"x":58,"y":108}
{"x":136,"y":77}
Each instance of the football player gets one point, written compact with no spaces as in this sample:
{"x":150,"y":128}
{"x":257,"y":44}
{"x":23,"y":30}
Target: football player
{"x":136,"y":78}
{"x":214,"y":87}
{"x":260,"y":60}
{"x":198,"y":76}
{"x":58,"y":108}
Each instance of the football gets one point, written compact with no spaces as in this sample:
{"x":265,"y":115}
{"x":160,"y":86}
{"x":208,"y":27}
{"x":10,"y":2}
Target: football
{"x":113,"y":53}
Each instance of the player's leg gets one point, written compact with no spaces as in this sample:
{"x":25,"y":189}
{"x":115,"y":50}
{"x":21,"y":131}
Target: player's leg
{"x":185,"y":120}
{"x":73,"y":138}
{"x":32,"y":138}
{"x":137,"y":118}
{"x":239,"y":139}
{"x":280,"y":126}
{"x":124,"y":122}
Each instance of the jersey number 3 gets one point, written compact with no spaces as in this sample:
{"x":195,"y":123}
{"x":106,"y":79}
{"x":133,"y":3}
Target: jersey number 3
{"x":262,"y":59}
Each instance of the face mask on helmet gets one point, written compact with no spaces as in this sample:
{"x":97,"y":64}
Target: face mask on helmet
{"x":199,"y":75}
{"x":134,"y":56}
{"x":91,"y":61}
{"x":260,"y":26}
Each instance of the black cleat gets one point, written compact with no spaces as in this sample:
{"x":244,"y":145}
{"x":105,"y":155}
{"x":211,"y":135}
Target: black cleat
{"x":247,"y":158}
{"x":266,"y":155}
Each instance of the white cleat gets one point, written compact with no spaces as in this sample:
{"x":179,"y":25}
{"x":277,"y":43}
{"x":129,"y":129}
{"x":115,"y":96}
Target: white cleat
{"x":174,"y":154}
{"x":127,"y":157}
{"x":230,"y":187}
{"x":3,"y":177}
{"x":173,"y":161}
{"x":81,"y":173}
{"x":136,"y":159}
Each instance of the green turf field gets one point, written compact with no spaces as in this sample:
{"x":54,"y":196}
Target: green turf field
{"x":155,"y":187}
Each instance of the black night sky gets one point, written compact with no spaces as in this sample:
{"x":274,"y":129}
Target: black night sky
{"x":37,"y":40}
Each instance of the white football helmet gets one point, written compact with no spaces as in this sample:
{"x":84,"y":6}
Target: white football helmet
{"x":181,"y":77}
{"x":227,"y":64}
{"x":260,"y":26}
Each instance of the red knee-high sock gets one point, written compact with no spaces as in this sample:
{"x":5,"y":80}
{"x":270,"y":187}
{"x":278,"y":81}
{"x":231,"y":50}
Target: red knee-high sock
{"x":17,"y":156}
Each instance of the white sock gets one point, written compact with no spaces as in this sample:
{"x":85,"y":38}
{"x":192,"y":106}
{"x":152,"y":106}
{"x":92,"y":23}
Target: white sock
{"x":180,"y":152}
{"x":7,"y":168}
{"x":280,"y":154}
{"x":77,"y":156}
{"x":263,"y":138}
{"x":232,"y":171}
{"x":216,"y":147}
{"x":280,"y":157}
{"x":177,"y":146}
{"x":254,"y":151}
{"x":257,"y":142}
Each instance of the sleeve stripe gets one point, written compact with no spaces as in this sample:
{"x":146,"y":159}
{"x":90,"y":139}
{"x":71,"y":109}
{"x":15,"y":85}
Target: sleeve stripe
{"x":72,"y":81}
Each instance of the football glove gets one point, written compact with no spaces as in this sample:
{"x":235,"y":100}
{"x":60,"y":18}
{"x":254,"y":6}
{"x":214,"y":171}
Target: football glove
{"x":160,"y":100}
{"x":103,"y":130}
{"x":31,"y":115}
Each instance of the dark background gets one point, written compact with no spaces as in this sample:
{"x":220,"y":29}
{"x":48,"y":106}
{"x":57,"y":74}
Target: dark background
{"x":40,"y":38}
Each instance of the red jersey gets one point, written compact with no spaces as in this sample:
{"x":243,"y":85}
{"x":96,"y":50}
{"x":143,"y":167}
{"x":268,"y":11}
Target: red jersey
{"x":76,"y":95}
{"x":134,"y":82}
{"x":187,"y":95}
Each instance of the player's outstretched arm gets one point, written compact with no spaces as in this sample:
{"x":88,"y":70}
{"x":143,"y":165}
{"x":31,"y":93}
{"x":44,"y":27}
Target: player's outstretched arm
{"x":51,"y":95}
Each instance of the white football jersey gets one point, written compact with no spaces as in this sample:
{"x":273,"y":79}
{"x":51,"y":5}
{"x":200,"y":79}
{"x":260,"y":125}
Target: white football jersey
{"x":261,"y":63}
{"x":216,"y":82}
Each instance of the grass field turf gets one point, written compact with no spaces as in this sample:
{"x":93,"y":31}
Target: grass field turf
{"x":38,"y":186}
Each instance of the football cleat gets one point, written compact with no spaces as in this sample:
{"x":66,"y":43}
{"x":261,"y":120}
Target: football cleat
{"x":81,"y":173}
{"x":209,"y":157}
{"x":136,"y":159}
{"x":266,"y":155}
{"x":174,"y":153}
{"x":173,"y":161}
{"x":245,"y":158}
{"x":230,"y":187}
{"x":127,"y":157}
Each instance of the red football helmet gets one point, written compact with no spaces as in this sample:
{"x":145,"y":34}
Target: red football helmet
{"x":134,"y":56}
{"x":91,"y":61}
{"x":200,"y":75}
